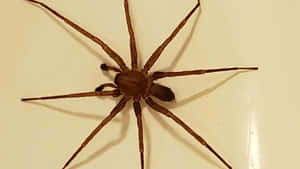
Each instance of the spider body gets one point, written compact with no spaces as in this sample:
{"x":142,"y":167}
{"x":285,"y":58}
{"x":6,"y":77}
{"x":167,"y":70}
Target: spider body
{"x":132,"y":83}
{"x":139,"y":85}
{"x":135,"y":83}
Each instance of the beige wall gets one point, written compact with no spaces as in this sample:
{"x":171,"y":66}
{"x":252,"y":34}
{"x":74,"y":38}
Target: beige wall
{"x":251,"y":118}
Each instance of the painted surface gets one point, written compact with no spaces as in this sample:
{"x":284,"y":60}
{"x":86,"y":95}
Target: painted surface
{"x":251,"y":118}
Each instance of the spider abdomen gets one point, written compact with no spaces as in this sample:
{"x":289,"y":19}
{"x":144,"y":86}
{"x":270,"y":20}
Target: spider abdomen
{"x":131,"y":83}
{"x":162,"y":92}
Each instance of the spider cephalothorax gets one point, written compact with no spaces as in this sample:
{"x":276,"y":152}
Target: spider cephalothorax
{"x":135,"y":83}
{"x":132,"y":83}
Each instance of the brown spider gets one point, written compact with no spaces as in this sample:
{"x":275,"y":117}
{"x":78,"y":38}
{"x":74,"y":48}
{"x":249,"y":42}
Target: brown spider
{"x":135,"y":83}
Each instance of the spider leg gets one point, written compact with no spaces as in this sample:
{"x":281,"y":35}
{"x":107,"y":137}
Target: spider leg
{"x":159,"y":75}
{"x":105,"y":67}
{"x":150,"y":62}
{"x":167,"y":113}
{"x":105,"y":47}
{"x":133,"y":50}
{"x":113,"y":113}
{"x":138,"y":114}
{"x":85,"y":94}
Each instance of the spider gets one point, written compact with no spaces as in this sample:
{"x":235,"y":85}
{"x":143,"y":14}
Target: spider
{"x":135,"y":83}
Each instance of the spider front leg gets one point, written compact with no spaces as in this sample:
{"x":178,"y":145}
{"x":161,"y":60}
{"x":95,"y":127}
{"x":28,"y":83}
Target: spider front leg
{"x":133,"y":50}
{"x":138,"y":114}
{"x":167,"y":113}
{"x":92,"y":37}
{"x":159,"y":75}
{"x":153,"y":58}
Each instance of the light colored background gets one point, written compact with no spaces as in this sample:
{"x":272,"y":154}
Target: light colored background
{"x":251,"y":118}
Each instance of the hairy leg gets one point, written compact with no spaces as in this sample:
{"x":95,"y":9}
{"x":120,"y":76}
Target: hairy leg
{"x":105,"y":47}
{"x":153,"y":58}
{"x":113,"y":113}
{"x":159,"y":75}
{"x":167,"y":113}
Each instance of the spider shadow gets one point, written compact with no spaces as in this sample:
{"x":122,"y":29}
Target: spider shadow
{"x":78,"y":39}
{"x":183,"y":48}
{"x":123,"y":120}
{"x":202,"y":93}
{"x":180,"y":138}
{"x":123,"y":133}
{"x":174,"y":132}
{"x":72,"y":113}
